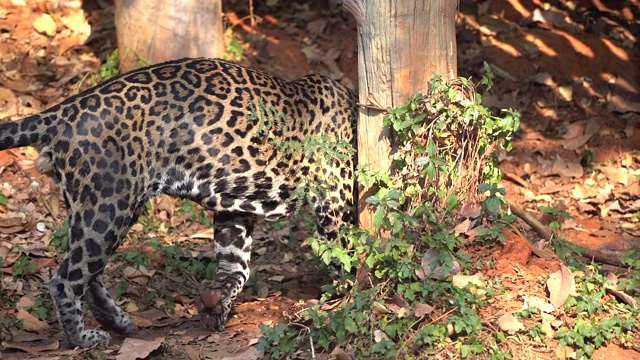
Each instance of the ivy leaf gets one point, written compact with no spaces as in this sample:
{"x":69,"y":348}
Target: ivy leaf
{"x":315,"y":246}
{"x":420,"y":117}
{"x":340,"y":334}
{"x":493,"y":204}
{"x":394,"y":194}
{"x":343,"y":257}
{"x":324,"y":341}
{"x":465,"y":351}
{"x":326,"y":257}
{"x":399,"y":126}
{"x":431,"y":147}
{"x":3,"y":199}
{"x":350,"y":325}
{"x":379,"y":216}
{"x":372,"y":200}
{"x":370,"y":261}
{"x":423,"y":160}
{"x":430,"y":171}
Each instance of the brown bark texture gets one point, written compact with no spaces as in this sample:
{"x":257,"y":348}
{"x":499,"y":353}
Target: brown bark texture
{"x":401,"y":44}
{"x":153,"y":31}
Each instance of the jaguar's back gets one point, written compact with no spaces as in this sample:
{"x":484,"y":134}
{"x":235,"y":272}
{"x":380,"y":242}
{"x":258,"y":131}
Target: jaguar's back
{"x":236,"y":140}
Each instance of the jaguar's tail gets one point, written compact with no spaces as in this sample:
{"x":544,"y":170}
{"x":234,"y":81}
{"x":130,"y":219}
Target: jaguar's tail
{"x":24,"y":132}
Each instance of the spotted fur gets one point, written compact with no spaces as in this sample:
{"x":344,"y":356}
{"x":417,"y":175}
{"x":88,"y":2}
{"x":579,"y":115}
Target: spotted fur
{"x":188,"y":128}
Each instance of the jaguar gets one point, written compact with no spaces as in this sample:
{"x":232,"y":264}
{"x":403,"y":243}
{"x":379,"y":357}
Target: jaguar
{"x":202,"y":129}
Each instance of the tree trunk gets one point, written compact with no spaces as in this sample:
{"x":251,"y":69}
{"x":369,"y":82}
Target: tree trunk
{"x":401,"y":44}
{"x":153,"y":31}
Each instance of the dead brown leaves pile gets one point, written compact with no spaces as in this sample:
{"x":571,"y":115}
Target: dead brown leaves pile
{"x":577,"y":150}
{"x":42,"y":58}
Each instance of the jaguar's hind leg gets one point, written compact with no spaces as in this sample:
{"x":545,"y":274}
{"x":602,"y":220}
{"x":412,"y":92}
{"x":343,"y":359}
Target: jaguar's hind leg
{"x":93,"y":236}
{"x":233,"y":251}
{"x":106,"y":311}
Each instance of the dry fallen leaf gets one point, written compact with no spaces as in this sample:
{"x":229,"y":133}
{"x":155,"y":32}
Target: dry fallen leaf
{"x":317,"y":26}
{"x":543,"y":78}
{"x":260,"y":251}
{"x":379,"y":335}
{"x":552,"y":17}
{"x":379,"y":308}
{"x":32,"y":349}
{"x":192,"y":352}
{"x":312,"y":53}
{"x":397,"y":305}
{"x":615,"y":174}
{"x":510,"y":324}
{"x":276,"y":278}
{"x":626,"y":298}
{"x":537,"y":303}
{"x":251,"y":353}
{"x":421,"y":310}
{"x":45,"y":25}
{"x":547,"y":324}
{"x":76,"y":21}
{"x":8,"y":102}
{"x":206,"y":235}
{"x":462,"y":227}
{"x":132,"y":349}
{"x":579,"y":133}
{"x":141,"y":275}
{"x":11,"y":225}
{"x":567,"y":169}
{"x":128,"y":305}
{"x":156,"y":315}
{"x":461,"y":281}
{"x":29,"y":322}
{"x":561,"y":284}
{"x":430,"y":258}
{"x":624,"y":96}
{"x":140,"y":321}
{"x":574,"y":129}
{"x":34,"y":267}
{"x":329,"y":60}
{"x":471,"y":210}
{"x":566,"y":92}
{"x":577,"y":142}
{"x":339,"y":354}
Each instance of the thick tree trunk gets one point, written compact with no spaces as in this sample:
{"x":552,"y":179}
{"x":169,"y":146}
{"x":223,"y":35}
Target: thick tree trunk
{"x":401,"y":44}
{"x":153,"y":31}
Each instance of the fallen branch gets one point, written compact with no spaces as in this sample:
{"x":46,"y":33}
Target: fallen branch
{"x":611,"y":257}
{"x":617,"y":270}
{"x":539,"y":228}
{"x":542,"y":231}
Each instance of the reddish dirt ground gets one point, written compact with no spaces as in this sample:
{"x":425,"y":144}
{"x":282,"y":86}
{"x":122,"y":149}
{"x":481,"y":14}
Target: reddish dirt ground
{"x":572,"y":75}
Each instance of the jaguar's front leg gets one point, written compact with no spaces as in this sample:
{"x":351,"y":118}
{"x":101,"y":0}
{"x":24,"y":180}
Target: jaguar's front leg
{"x":233,"y":252}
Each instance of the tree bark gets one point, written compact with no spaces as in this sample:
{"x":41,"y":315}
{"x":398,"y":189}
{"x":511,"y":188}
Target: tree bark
{"x":153,"y":31}
{"x":401,"y":44}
